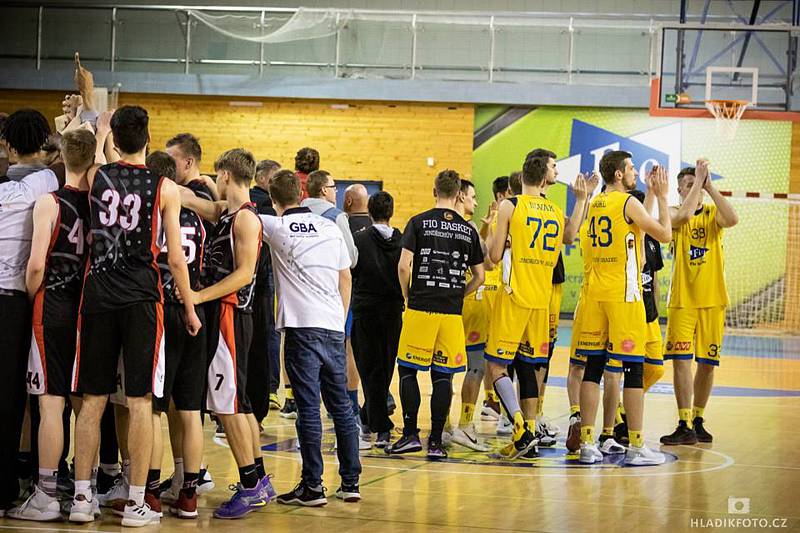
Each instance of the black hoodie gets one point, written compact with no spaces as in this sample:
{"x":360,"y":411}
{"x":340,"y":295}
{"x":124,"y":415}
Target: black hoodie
{"x":376,"y":288}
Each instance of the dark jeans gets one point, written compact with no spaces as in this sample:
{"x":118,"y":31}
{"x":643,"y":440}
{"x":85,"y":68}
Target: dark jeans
{"x":375,"y":337}
{"x":274,"y":341}
{"x":315,"y":363}
{"x":15,"y":316}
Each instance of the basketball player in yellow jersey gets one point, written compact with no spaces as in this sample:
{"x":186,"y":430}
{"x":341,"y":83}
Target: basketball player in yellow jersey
{"x":697,"y":300}
{"x":519,"y":328}
{"x":613,"y":314}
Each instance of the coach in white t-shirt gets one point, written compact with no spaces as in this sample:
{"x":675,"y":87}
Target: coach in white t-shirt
{"x":311,"y":265}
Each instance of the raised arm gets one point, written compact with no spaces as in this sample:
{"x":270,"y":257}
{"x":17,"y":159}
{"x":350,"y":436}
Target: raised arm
{"x":682,"y":214}
{"x":497,"y":243}
{"x":170,"y":214}
{"x":45,"y":214}
{"x":661,"y":229}
{"x":579,"y":188}
{"x":726,"y":214}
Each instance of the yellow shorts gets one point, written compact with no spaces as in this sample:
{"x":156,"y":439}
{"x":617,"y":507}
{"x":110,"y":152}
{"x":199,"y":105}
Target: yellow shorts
{"x":475,"y":315}
{"x":653,"y":351}
{"x":617,"y":329}
{"x":575,"y":358}
{"x":695,"y":332}
{"x":555,"y":310}
{"x":432,"y":340}
{"x":516,"y":331}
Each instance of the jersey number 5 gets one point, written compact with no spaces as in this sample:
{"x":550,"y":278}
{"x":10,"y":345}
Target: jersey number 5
{"x":600,"y":232}
{"x":549,"y":237}
{"x":187,"y":242}
{"x":132,"y":204}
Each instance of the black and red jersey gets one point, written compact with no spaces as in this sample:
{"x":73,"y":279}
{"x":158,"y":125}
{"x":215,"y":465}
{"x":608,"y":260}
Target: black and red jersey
{"x":221,"y":260}
{"x":125,"y":228}
{"x":193,"y":236}
{"x":66,"y":256}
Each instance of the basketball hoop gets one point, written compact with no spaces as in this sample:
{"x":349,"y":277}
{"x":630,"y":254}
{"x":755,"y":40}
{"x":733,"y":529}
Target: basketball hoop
{"x":727,"y":113}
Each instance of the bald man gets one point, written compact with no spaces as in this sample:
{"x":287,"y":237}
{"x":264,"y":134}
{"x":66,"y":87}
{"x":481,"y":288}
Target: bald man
{"x":355,"y":205}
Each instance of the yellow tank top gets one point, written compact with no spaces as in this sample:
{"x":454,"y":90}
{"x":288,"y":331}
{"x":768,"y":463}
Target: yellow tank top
{"x":613,"y":251}
{"x":698,"y":270}
{"x":536,"y":231}
{"x":491,"y":277}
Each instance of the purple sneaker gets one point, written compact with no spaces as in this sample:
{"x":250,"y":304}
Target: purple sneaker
{"x":265,"y":484}
{"x":243,"y":502}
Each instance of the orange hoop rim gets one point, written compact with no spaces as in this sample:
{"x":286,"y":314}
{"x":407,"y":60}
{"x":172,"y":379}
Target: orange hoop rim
{"x":726,"y":103}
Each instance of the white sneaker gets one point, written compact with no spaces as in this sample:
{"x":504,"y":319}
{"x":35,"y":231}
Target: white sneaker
{"x":39,"y":507}
{"x":364,"y":441}
{"x":590,"y":454}
{"x":205,"y":483}
{"x":611,"y":447}
{"x":545,"y":440}
{"x":25,"y":488}
{"x":488,"y":413}
{"x":96,"y":507}
{"x":117,"y":493}
{"x":447,"y":437}
{"x":139,"y":515}
{"x":643,"y":456}
{"x":468,"y":438}
{"x":544,"y":425}
{"x":81,"y":510}
{"x":504,"y":426}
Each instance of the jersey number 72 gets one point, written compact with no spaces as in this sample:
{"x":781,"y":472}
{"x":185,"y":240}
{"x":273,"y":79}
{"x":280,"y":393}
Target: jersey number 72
{"x":550,"y":235}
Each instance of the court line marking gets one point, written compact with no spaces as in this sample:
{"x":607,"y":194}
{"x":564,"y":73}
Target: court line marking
{"x":728,"y":461}
{"x":79,"y":528}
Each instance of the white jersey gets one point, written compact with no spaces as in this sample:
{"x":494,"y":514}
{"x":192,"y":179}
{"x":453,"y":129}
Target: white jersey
{"x":308,"y":252}
{"x":16,"y":224}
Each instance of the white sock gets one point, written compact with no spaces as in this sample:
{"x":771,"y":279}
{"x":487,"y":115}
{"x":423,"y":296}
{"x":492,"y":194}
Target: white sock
{"x":83,"y":487}
{"x":136,"y":494}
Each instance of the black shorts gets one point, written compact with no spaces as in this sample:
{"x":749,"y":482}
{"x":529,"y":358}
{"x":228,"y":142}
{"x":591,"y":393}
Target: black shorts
{"x":136,"y":332}
{"x":230,"y":333}
{"x":53,"y":343}
{"x":185,"y":359}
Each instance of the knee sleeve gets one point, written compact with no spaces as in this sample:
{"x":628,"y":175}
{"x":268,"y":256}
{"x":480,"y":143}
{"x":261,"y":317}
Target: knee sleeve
{"x":634,"y":375}
{"x":526,"y":373}
{"x":475,"y":362}
{"x":593,"y":371}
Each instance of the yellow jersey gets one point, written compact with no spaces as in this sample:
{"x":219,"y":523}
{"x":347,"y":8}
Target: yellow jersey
{"x":613,"y":250}
{"x":536,"y":231}
{"x":698,"y":277}
{"x":492,"y":277}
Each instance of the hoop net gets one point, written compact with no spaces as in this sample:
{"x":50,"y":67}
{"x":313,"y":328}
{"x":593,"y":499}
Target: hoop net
{"x":727,"y":113}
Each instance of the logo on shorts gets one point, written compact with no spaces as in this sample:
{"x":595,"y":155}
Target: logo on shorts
{"x":439,"y":358}
{"x":500,"y":351}
{"x":473,"y":336}
{"x":669,"y":346}
{"x":628,"y":345}
{"x":459,"y":358}
{"x":544,"y":348}
{"x":681,"y":346}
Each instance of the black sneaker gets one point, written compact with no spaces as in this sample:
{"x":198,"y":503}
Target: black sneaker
{"x":220,"y":431}
{"x":289,"y":409}
{"x":405,"y":444}
{"x":305,"y":496}
{"x":524,"y":443}
{"x":621,"y":433}
{"x":436,"y":450}
{"x":105,"y":481}
{"x":681,"y":435}
{"x":383,"y":439}
{"x":348,"y":493}
{"x":391,"y":405}
{"x":533,"y":453}
{"x":700,"y":430}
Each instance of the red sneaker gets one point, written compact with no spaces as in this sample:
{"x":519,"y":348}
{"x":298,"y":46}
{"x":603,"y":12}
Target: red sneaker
{"x":185,"y":507}
{"x":154,"y":503}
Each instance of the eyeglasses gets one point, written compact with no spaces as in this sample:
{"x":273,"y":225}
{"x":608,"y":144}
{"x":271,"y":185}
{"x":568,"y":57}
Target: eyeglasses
{"x":329,"y":186}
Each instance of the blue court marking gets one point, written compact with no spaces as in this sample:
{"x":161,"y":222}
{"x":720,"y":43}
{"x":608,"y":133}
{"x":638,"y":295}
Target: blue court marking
{"x":554,"y":457}
{"x":733,"y":345}
{"x":666,"y":388}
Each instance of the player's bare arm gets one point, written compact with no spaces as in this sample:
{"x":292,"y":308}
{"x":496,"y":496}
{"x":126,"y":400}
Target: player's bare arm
{"x":246,"y":233}
{"x":661,"y":229}
{"x":170,"y":214}
{"x":581,"y":192}
{"x":45,"y":213}
{"x":682,"y":214}
{"x":211,"y":185}
{"x":498,"y":240}
{"x":345,"y":288}
{"x":207,"y":210}
{"x":476,"y":280}
{"x":726,"y":214}
{"x":404,"y":271}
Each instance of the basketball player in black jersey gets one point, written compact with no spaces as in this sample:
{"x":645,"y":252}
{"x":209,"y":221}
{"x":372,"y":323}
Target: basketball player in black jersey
{"x":184,"y":377}
{"x":230,"y":274}
{"x":54,"y":279}
{"x":122,"y":309}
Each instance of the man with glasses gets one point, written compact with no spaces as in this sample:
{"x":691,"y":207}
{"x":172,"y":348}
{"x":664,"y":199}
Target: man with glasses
{"x":322,"y":201}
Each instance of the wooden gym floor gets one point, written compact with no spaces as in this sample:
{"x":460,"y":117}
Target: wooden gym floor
{"x":754,"y":416}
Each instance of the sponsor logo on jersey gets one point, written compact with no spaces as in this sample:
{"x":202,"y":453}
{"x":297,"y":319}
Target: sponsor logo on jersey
{"x":302,"y":227}
{"x":696,"y":252}
{"x":448,"y":215}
